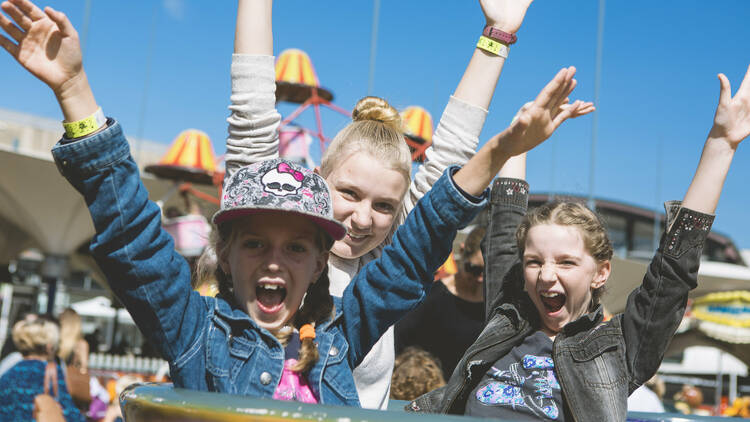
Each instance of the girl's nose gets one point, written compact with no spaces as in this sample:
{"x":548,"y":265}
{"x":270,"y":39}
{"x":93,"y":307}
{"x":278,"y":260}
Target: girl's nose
{"x":362,"y":217}
{"x":273,"y":261}
{"x":548,"y":273}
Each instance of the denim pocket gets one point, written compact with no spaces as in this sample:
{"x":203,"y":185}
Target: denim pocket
{"x":217,"y":353}
{"x":599,"y":361}
{"x":338,"y":374}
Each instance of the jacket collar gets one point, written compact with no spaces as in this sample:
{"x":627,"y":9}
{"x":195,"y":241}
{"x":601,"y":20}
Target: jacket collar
{"x":585,"y":322}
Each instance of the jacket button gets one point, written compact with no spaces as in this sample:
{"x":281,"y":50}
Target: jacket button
{"x":265,"y":378}
{"x":334,"y":351}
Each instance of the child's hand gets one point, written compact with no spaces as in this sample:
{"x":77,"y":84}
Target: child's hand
{"x":46,"y":44}
{"x":537,"y":120}
{"x":732,"y":119}
{"x":506,"y":15}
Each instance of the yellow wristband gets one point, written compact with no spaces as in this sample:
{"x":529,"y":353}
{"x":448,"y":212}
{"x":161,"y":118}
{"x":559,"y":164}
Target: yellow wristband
{"x":85,"y":126}
{"x":493,"y":46}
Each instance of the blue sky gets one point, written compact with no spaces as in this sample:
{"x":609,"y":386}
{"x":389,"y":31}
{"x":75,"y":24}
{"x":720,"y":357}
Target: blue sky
{"x":658,"y":93}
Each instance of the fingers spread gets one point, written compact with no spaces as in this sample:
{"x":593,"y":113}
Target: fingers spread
{"x":584,"y":109}
{"x":8,"y":46}
{"x":29,"y":9}
{"x":19,"y":17}
{"x":61,"y":20}
{"x":10,"y":28}
{"x":569,"y":87}
{"x":567,"y":112}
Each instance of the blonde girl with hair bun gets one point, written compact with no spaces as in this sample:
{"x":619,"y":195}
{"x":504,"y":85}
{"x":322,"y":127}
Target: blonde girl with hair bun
{"x":276,"y":226}
{"x":376,"y":129}
{"x":368,"y":163}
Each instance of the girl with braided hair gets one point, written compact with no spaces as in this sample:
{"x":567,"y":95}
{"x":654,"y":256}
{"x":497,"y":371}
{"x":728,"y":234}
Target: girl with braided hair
{"x":276,"y":227}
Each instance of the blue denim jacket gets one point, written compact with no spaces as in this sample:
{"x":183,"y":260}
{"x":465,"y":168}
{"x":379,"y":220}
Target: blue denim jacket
{"x":209,"y":345}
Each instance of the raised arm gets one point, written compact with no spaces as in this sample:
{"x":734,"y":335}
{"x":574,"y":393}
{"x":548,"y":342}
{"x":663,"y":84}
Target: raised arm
{"x":731,"y":126}
{"x":135,"y":254}
{"x":254,"y":120}
{"x":534,"y":124}
{"x":46,"y":44}
{"x":654,"y":310}
{"x":508,"y":204}
{"x":253,"y":33}
{"x":456,"y":137}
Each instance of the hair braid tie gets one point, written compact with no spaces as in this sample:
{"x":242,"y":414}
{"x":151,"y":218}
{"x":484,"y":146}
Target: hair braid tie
{"x":306,"y":331}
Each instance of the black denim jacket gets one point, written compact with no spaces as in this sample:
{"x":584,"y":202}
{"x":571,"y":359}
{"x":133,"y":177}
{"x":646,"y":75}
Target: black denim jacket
{"x":598,"y":363}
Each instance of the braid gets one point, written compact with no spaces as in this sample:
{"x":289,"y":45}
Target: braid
{"x":318,"y":306}
{"x":226,"y":290}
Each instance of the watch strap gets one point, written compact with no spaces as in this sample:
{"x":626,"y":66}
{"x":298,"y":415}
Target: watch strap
{"x":499,"y":35}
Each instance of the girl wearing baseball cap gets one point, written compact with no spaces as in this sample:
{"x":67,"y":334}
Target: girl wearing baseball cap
{"x":368,"y":163}
{"x":275,"y":331}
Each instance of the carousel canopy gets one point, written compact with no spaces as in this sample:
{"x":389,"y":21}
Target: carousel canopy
{"x":417,"y":123}
{"x":294,"y":66}
{"x":190,"y":158}
{"x":296,"y":78}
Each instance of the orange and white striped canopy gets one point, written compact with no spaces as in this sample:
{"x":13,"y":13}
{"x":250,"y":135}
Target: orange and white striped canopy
{"x":294,"y":66}
{"x":417,"y":123}
{"x":191,"y":148}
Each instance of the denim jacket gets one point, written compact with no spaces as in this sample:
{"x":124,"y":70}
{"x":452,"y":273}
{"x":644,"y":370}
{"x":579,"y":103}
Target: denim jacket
{"x":211,"y":346}
{"x":598,"y":363}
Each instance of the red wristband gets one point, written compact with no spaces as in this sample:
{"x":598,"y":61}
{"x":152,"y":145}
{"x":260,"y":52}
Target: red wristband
{"x":499,"y":35}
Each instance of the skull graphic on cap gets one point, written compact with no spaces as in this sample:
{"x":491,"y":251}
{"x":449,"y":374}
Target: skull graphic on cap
{"x":282,"y":180}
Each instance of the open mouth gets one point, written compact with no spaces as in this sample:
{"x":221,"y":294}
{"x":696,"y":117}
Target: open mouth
{"x":552,"y":301}
{"x":270,"y":297}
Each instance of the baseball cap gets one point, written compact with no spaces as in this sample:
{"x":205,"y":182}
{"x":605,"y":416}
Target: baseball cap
{"x":279,"y":185}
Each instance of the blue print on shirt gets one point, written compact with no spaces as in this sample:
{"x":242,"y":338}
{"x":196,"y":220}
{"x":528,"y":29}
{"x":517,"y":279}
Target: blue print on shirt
{"x":507,"y":388}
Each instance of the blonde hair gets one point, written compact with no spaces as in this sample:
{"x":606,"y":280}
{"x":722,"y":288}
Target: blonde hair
{"x":592,"y":229}
{"x":415,"y":372}
{"x":376,"y":130}
{"x":316,"y":307}
{"x":36,"y":337}
{"x":70,"y":333}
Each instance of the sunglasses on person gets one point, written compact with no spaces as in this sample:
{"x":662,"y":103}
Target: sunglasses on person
{"x":473,"y":269}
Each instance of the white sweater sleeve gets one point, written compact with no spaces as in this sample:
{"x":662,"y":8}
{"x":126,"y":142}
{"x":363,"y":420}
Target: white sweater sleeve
{"x":254,"y":120}
{"x":455,"y":141}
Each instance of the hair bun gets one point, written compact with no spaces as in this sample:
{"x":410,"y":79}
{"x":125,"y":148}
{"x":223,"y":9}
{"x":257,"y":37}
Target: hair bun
{"x":377,"y":109}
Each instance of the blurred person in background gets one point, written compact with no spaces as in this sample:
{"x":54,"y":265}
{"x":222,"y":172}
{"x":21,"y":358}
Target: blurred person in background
{"x":452,"y":315}
{"x":415,"y":372}
{"x":37,"y":341}
{"x":88,"y":394}
{"x":13,"y":356}
{"x":648,"y":397}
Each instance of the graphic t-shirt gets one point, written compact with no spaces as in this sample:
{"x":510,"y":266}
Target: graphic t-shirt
{"x":293,"y":386}
{"x":521,"y":385}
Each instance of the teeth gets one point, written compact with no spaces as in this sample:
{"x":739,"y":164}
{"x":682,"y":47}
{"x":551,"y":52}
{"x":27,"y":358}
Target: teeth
{"x":270,"y":286}
{"x":549,"y":294}
{"x":354,"y":236}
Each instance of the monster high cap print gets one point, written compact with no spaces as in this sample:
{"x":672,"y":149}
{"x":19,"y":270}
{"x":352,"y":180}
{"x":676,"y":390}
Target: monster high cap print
{"x":279,"y":185}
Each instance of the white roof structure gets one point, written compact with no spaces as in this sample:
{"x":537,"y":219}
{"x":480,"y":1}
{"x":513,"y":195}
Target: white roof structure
{"x":101,"y":307}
